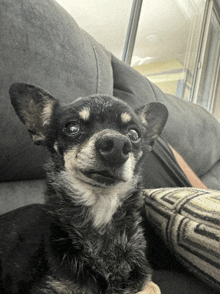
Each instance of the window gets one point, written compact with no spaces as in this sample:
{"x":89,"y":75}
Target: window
{"x":178,"y":48}
{"x":167,"y":43}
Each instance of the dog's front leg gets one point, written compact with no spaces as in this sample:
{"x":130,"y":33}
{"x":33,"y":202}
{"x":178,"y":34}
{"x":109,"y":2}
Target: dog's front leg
{"x":151,"y":288}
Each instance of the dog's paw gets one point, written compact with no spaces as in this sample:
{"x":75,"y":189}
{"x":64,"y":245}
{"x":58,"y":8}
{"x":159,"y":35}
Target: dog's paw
{"x":151,"y":288}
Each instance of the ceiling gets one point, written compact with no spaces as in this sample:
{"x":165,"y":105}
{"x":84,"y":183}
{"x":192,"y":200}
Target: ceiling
{"x":164,"y":30}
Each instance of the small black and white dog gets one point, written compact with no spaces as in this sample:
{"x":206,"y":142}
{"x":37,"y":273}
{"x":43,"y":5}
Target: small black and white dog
{"x":88,"y":237}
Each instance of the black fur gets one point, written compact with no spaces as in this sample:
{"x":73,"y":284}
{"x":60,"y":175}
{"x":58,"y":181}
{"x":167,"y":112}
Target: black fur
{"x":88,"y":237}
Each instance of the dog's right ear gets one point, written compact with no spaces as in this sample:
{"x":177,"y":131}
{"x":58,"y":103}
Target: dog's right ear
{"x":34,"y":107}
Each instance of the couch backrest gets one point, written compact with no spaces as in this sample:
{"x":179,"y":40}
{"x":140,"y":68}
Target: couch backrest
{"x":41,"y":44}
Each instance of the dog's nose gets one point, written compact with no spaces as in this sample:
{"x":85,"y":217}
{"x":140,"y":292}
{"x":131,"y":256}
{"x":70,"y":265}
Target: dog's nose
{"x":114,"y":150}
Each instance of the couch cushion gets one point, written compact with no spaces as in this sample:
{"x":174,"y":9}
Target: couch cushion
{"x":16,"y":194}
{"x":212,"y":177}
{"x":188,"y":220}
{"x":41,"y":44}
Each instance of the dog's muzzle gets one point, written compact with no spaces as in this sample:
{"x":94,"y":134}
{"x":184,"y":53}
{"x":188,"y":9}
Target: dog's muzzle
{"x":113,"y":150}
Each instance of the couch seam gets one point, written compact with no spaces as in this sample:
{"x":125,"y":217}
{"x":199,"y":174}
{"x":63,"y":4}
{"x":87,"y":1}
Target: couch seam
{"x":98,"y":85}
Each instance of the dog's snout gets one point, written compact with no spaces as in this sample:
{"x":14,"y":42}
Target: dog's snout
{"x":114,"y":150}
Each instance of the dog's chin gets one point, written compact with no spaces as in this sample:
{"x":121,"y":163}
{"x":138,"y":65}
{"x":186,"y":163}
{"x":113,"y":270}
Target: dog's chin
{"x":102,"y":178}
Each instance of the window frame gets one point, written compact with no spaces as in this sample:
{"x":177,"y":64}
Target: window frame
{"x":210,"y":9}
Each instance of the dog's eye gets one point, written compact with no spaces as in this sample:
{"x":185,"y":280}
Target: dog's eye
{"x":72,"y":128}
{"x":133,"y":135}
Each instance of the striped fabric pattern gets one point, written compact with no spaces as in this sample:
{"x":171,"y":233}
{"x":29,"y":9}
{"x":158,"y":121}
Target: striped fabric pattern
{"x":188,"y":220}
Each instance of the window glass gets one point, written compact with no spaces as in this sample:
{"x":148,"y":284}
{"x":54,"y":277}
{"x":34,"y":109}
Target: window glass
{"x":167,"y":43}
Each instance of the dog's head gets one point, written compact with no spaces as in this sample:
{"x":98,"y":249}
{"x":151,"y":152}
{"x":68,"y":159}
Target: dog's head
{"x":96,"y":141}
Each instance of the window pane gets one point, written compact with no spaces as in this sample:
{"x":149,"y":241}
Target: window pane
{"x":167,"y":43}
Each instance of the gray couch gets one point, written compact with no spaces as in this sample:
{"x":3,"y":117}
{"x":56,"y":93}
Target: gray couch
{"x":42,"y":45}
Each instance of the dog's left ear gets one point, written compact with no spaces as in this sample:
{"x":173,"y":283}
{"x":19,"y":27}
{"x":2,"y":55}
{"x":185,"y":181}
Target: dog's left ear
{"x":153,"y":117}
{"x":34,"y":107}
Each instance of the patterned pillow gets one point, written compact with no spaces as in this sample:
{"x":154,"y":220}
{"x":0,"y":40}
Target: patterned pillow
{"x":188,"y":220}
